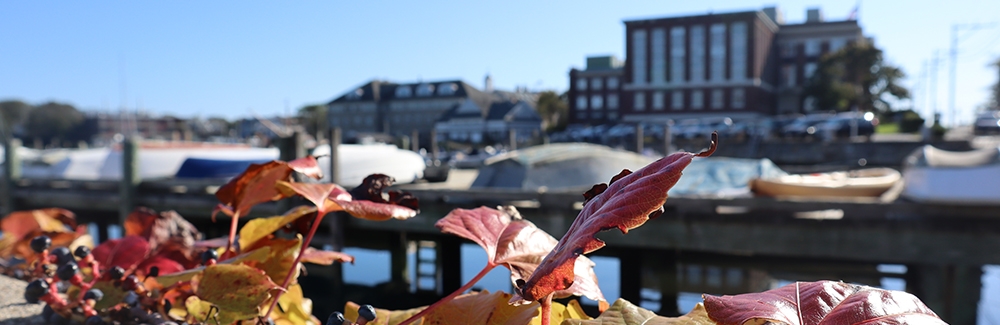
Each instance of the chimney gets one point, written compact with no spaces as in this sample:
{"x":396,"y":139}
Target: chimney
{"x":488,"y":84}
{"x":814,"y":15}
{"x":775,"y":14}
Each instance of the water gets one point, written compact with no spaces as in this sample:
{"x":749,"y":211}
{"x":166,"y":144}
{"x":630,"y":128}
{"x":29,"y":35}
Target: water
{"x":372,"y":267}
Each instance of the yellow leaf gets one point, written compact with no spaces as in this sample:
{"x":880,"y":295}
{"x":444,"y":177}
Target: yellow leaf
{"x":473,"y":308}
{"x":295,"y":308}
{"x":259,"y":228}
{"x":561,"y":312}
{"x":625,"y":313}
{"x":382,"y":316}
{"x":259,"y":255}
{"x":233,"y":288}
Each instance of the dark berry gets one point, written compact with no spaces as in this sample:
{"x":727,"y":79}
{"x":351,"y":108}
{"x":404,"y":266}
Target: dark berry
{"x":67,"y":271}
{"x":130,"y":282}
{"x":40,"y":243}
{"x":367,"y":312}
{"x":47,"y":311}
{"x":116,"y":273}
{"x":209,"y":255}
{"x":95,"y":294}
{"x":82,"y":252}
{"x":94,"y":320}
{"x":63,"y":255}
{"x":35,"y":290}
{"x":131,"y":298}
{"x":154,"y":271}
{"x":336,"y":318}
{"x":57,"y":319}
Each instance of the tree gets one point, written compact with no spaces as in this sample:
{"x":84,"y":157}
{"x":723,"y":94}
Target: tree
{"x":553,"y":111}
{"x":314,"y":118}
{"x":12,"y":113}
{"x":855,"y":75}
{"x":52,"y":121}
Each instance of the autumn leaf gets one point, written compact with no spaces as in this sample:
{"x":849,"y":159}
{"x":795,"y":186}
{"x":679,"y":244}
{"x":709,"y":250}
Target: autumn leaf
{"x":295,"y":308}
{"x":624,"y":312}
{"x":236,"y":288}
{"x":821,"y":302}
{"x":255,"y":256}
{"x":517,"y":244}
{"x":560,"y":313}
{"x":126,"y":252}
{"x":367,"y":201}
{"x":204,"y":312}
{"x":161,"y":228}
{"x":164,"y":264}
{"x":626,"y":204}
{"x":257,"y":229}
{"x":473,"y":308}
{"x":382,"y":316}
{"x":256,"y":184}
{"x":317,"y":193}
{"x":19,"y":224}
{"x":322,"y":257}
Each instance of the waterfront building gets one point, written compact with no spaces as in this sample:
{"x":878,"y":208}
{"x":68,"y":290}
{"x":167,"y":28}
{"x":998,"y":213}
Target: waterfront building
{"x":739,"y":65}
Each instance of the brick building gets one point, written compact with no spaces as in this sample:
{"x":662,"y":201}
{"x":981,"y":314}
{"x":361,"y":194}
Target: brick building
{"x":709,"y":65}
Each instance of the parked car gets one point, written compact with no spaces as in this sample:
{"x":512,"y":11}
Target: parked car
{"x":804,"y":127}
{"x":987,"y":122}
{"x":840,"y":127}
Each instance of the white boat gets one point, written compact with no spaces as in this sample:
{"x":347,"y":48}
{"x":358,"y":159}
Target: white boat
{"x":215,"y":161}
{"x":869,"y":182}
{"x":932,"y":175}
{"x":356,"y":161}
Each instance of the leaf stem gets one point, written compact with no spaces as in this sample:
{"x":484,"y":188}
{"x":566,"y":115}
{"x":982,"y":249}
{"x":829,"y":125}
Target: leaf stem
{"x":232,"y":231}
{"x":546,"y":309}
{"x":295,"y":264}
{"x":489,"y":267}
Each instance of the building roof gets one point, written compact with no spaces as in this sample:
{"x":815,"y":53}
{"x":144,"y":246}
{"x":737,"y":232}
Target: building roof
{"x":380,"y":90}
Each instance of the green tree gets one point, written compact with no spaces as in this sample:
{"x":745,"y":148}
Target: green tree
{"x":13,"y":113}
{"x":314,"y":118}
{"x":52,"y":121}
{"x":553,"y":110}
{"x":855,"y":75}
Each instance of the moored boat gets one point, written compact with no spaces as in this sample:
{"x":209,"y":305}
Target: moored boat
{"x":869,"y":182}
{"x":933,"y":175}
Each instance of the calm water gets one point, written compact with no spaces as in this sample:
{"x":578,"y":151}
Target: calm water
{"x":372,"y":267}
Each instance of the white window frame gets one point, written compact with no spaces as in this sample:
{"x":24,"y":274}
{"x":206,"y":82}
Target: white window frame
{"x":639,"y":101}
{"x":718,"y":99}
{"x":697,"y":99}
{"x":658,"y":100}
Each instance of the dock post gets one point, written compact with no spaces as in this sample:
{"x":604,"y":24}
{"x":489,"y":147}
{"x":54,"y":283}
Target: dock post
{"x":630,"y":274}
{"x":951,"y":291}
{"x":668,"y":138}
{"x":290,"y":148}
{"x":415,"y":141}
{"x":512,"y":137}
{"x":335,"y":140}
{"x":11,"y":172}
{"x":640,"y":139}
{"x":399,"y":268}
{"x":665,"y":267}
{"x":450,"y":257}
{"x":434,"y":145}
{"x":130,"y":178}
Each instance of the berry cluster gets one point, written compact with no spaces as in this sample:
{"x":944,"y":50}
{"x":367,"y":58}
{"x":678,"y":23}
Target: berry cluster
{"x":67,"y":268}
{"x":366,"y":314}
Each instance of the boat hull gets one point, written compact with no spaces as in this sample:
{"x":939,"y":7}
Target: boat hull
{"x":871,"y":182}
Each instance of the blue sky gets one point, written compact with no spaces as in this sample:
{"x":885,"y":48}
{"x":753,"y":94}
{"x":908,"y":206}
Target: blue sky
{"x":228,"y":58}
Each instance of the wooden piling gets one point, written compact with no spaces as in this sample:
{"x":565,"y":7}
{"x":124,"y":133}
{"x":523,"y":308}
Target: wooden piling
{"x":12,"y":173}
{"x":640,"y":139}
{"x":335,"y":140}
{"x":130,"y":178}
{"x":415,"y":141}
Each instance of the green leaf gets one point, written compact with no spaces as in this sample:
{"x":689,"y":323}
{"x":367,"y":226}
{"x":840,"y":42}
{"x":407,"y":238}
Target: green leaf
{"x":236,"y":288}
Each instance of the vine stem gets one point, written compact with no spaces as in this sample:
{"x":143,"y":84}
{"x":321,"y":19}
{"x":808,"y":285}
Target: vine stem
{"x":295,"y":264}
{"x":546,"y":309}
{"x":489,"y":267}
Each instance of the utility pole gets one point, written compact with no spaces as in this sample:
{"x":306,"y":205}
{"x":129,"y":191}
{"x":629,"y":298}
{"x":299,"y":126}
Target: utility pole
{"x":933,"y":84}
{"x":953,"y":56}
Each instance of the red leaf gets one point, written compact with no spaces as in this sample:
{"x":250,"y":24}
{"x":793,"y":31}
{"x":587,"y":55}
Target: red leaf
{"x":315,"y":193}
{"x":822,"y":302}
{"x":626,"y":204}
{"x":165,"y":264}
{"x":516,"y":244}
{"x":256,"y":184}
{"x":126,"y":252}
{"x":19,"y":224}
